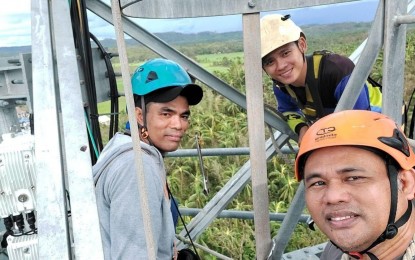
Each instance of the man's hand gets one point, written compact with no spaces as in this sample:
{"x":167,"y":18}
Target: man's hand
{"x":175,"y":252}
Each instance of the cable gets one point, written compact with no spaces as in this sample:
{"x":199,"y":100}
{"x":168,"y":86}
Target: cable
{"x":92,"y":141}
{"x":83,"y":45}
{"x":410,"y":132}
{"x":18,"y":219}
{"x":184,"y":224}
{"x":8,"y":223}
{"x":114,"y":95}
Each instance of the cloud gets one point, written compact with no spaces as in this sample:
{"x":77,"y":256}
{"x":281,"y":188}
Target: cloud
{"x":217,"y":24}
{"x":15,"y":7}
{"x":100,"y":28}
{"x":15,"y":25}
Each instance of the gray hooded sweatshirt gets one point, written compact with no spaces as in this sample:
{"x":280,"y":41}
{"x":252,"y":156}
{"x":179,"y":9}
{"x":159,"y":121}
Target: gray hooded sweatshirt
{"x":118,"y":202}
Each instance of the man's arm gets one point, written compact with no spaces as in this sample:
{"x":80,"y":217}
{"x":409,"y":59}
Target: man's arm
{"x":362,"y":102}
{"x":295,"y":117}
{"x":128,"y":238}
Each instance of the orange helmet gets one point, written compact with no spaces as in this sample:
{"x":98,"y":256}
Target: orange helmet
{"x":356,"y":128}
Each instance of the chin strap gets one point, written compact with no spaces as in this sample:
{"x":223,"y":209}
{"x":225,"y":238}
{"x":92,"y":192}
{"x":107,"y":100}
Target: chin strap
{"x":143,"y":129}
{"x":391,"y":228}
{"x":359,"y":255}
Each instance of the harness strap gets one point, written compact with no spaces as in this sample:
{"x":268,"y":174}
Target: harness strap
{"x":309,"y":107}
{"x":314,"y":69}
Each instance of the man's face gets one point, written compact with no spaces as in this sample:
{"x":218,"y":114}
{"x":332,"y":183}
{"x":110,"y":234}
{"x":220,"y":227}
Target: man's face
{"x":286,"y":64}
{"x":167,"y":123}
{"x":347,"y":192}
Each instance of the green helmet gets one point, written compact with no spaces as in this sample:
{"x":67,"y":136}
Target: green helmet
{"x":161,"y":74}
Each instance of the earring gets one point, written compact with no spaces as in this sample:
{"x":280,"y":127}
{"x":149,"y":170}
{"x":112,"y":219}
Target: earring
{"x":144,"y":133}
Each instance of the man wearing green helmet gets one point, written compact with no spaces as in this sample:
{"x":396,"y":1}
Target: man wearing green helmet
{"x":305,"y":92}
{"x":163,"y":92}
{"x":359,"y":178}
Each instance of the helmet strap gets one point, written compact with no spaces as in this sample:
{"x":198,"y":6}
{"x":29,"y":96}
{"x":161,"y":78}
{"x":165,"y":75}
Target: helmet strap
{"x":143,"y":129}
{"x":143,"y":110}
{"x":390,"y":229}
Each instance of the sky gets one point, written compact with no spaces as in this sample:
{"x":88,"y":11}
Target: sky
{"x":16,"y":20}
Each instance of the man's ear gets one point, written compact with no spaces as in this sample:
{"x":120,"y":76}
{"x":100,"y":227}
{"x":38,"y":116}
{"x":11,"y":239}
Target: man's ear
{"x":407,"y":183}
{"x":139,"y":115}
{"x":302,"y":44}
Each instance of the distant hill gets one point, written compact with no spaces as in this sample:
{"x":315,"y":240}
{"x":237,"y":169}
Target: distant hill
{"x":182,"y":38}
{"x":175,"y":38}
{"x":7,"y":51}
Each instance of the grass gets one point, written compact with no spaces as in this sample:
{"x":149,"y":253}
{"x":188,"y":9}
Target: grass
{"x":219,"y":56}
{"x":217,"y":61}
{"x":104,"y":107}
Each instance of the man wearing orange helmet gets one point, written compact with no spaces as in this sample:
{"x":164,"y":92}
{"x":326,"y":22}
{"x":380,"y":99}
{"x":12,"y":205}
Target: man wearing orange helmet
{"x":299,"y":97}
{"x":357,"y":168}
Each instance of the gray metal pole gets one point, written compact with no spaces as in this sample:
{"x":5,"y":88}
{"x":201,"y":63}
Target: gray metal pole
{"x":52,"y":222}
{"x":240,"y":214}
{"x":222,"y":151}
{"x":394,"y":60}
{"x":256,"y":130}
{"x":85,"y":223}
{"x":365,"y":63}
{"x":289,"y":223}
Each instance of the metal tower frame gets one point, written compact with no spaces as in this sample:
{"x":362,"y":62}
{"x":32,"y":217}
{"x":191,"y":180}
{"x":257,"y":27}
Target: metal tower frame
{"x":61,"y":142}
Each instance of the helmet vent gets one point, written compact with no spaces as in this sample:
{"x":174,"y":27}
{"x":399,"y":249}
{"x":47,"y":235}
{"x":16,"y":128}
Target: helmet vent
{"x":152,"y":75}
{"x":285,"y":17}
{"x":397,"y":141}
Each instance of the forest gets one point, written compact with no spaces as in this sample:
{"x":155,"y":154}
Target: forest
{"x":223,"y":124}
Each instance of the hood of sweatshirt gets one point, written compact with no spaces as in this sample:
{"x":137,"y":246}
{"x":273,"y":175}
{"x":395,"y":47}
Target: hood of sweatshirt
{"x":120,"y":143}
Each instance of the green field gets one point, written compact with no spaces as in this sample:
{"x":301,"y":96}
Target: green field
{"x":211,"y":62}
{"x":217,"y":61}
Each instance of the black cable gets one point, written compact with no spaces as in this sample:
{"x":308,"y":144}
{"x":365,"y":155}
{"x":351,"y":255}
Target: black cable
{"x":114,"y":95}
{"x":8,"y":223}
{"x":410,"y":132}
{"x":181,"y":218}
{"x":18,"y":219}
{"x":31,"y":220}
{"x":32,"y":123}
{"x":83,"y":45}
{"x":69,"y":203}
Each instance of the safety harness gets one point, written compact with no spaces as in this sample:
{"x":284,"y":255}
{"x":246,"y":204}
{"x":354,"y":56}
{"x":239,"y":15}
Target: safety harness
{"x":313,"y":107}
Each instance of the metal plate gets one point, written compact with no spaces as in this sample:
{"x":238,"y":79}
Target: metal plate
{"x":199,"y":8}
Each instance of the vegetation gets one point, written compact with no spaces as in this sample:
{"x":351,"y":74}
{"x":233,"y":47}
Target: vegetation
{"x":222,"y":123}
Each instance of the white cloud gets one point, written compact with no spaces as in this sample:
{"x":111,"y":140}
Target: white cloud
{"x":15,"y":23}
{"x":188,"y":25}
{"x":15,"y":7}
